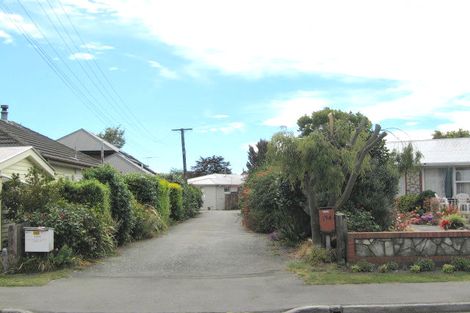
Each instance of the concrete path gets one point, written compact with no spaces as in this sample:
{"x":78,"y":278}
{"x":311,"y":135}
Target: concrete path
{"x":207,"y":264}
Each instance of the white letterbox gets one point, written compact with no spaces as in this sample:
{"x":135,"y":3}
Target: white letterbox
{"x":38,"y":239}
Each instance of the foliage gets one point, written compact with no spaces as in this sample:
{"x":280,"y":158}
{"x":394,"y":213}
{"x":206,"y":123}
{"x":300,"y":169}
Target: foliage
{"x":408,"y":161}
{"x":415,"y":268}
{"x":143,"y":187}
{"x":148,"y":221}
{"x":270,"y":203}
{"x":425,"y":265}
{"x":121,"y":209}
{"x":401,"y":221}
{"x":176,"y":202}
{"x":257,"y":155}
{"x":32,"y":196}
{"x":460,"y":133}
{"x":192,"y":200}
{"x":361,"y":220}
{"x":163,"y":199}
{"x":388,"y":267}
{"x":407,"y":203}
{"x":448,"y":268}
{"x":320,"y":255}
{"x":211,"y":165}
{"x":363,"y":266}
{"x":114,"y":135}
{"x":62,"y":258}
{"x":78,"y":227}
{"x":461,"y":264}
{"x":333,"y":151}
{"x":453,"y":221}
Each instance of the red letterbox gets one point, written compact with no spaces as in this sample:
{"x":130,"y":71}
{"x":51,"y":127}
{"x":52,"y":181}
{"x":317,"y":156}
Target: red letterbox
{"x":327,"y":220}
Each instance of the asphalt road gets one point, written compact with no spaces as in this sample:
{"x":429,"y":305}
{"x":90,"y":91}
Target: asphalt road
{"x":207,"y":264}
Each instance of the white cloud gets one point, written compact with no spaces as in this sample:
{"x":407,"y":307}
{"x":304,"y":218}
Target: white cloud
{"x":81,"y":56}
{"x":289,"y":110}
{"x":96,"y":46}
{"x":164,"y":71}
{"x":113,"y":68}
{"x":225,"y":129}
{"x":16,"y":23}
{"x":6,"y":37}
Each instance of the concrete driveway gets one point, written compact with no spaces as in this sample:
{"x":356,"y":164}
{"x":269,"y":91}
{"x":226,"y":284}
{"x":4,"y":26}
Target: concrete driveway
{"x":207,"y":264}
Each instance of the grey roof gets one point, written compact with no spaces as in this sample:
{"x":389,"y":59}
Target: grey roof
{"x":86,"y":141}
{"x":449,"y":151}
{"x":14,"y":134}
{"x":217,"y":179}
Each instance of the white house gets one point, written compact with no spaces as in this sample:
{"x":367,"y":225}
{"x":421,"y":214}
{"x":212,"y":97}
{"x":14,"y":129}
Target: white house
{"x":446,"y":165}
{"x":219,"y":191}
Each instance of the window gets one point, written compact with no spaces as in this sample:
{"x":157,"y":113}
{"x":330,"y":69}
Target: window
{"x":462,"y":180}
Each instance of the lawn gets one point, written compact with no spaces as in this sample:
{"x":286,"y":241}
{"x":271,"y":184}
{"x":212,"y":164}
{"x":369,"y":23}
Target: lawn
{"x":331,"y":274}
{"x":39,"y":279}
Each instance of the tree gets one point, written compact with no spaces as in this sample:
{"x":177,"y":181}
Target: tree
{"x":460,"y":133}
{"x":408,"y":162}
{"x":327,"y":158}
{"x":211,"y":165}
{"x":114,"y":135}
{"x":257,"y":157}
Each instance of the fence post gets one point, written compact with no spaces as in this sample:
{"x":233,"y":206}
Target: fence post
{"x":15,"y":242}
{"x":341,"y":238}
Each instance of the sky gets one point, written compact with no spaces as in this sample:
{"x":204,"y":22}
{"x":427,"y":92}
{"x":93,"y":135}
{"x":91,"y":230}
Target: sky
{"x":233,"y":71}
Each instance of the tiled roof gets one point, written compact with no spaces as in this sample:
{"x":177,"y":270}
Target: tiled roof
{"x":14,"y":134}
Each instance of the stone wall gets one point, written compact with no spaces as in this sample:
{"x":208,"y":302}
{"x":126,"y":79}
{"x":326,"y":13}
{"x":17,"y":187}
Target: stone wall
{"x":406,"y":247}
{"x":413,"y":183}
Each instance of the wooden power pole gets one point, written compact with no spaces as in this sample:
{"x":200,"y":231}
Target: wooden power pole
{"x":183,"y":147}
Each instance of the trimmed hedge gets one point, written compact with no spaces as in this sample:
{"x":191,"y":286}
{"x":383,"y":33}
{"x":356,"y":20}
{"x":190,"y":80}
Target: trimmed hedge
{"x":176,"y":202}
{"x":148,"y":221}
{"x":143,"y":187}
{"x":121,"y":208}
{"x":163,"y":199}
{"x":192,"y":200}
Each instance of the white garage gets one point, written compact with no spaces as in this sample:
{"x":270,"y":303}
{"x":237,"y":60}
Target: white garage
{"x":219,"y":191}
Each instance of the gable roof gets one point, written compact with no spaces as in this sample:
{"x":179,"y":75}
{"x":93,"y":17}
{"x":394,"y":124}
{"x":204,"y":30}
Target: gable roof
{"x":447,"y":151}
{"x":86,"y":141}
{"x":14,"y":134}
{"x":217,"y":179}
{"x":12,"y":155}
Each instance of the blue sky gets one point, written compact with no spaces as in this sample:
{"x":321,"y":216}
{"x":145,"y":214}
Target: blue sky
{"x":234,"y":71}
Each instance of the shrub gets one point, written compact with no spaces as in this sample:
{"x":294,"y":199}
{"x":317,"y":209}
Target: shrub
{"x":44,"y":263}
{"x":461,"y":264}
{"x":163,"y":199}
{"x":453,"y":221}
{"x":425,"y":265}
{"x":415,"y":268}
{"x":120,"y":199}
{"x":143,"y":187}
{"x":77,"y":227}
{"x":176,"y":202}
{"x":192,"y":200}
{"x":355,"y":268}
{"x":364,"y":266}
{"x":407,"y":203}
{"x":360,"y":220}
{"x":32,"y":196}
{"x":320,"y":255}
{"x":388,"y":267}
{"x":148,"y":221}
{"x":448,"y":268}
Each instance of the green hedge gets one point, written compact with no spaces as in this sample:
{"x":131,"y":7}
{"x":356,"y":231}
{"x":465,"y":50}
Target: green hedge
{"x":121,"y":208}
{"x":163,"y":199}
{"x":176,"y":202}
{"x":148,"y":221}
{"x":143,"y":187}
{"x":192,"y":200}
{"x":78,"y":227}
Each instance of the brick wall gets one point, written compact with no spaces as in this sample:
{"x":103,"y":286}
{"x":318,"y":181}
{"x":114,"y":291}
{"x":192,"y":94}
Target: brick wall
{"x":406,"y":247}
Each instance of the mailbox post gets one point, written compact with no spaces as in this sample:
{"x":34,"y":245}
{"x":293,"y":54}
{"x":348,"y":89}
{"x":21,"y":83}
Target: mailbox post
{"x":327,"y":224}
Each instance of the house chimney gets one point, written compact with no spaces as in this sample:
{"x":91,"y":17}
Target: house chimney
{"x":4,"y":112}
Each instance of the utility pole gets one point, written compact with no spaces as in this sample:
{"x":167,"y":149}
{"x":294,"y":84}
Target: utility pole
{"x":182,"y":130}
